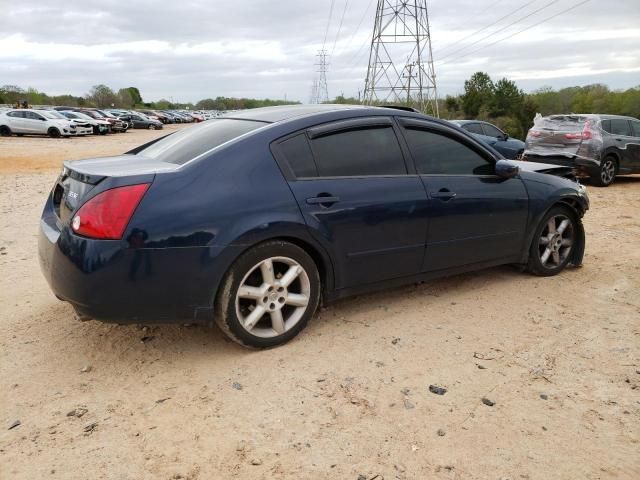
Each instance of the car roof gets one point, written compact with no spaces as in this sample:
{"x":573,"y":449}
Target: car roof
{"x":288,"y":112}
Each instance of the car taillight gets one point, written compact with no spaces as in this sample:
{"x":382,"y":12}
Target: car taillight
{"x":586,"y":134}
{"x":534,"y":133}
{"x":107,"y":214}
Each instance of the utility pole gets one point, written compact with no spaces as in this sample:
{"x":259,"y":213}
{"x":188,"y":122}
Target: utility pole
{"x":402,"y":41}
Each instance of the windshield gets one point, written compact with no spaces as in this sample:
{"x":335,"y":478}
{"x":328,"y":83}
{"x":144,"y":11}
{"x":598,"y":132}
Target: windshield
{"x":187,"y":144}
{"x":52,"y":114}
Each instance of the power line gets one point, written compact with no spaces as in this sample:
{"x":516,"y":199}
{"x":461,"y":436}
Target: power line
{"x":446,"y":47}
{"x":366,"y":10}
{"x":518,"y":32}
{"x":326,"y":31}
{"x":547,"y":5}
{"x":346,"y":4}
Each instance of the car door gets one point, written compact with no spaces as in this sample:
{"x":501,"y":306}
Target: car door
{"x":351,"y":183}
{"x":35,"y":123}
{"x":16,"y":121}
{"x":635,"y":146}
{"x":475,"y":216}
{"x":620,"y":130}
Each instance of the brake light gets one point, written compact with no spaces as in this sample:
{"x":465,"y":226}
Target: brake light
{"x":534,"y":133}
{"x":586,"y":134}
{"x":107,"y":214}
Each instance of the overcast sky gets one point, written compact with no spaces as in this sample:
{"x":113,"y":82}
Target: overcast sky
{"x":187,"y":50}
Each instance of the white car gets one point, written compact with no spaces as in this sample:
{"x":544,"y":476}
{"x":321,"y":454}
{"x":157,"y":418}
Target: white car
{"x":82,"y":127}
{"x":26,"y":121}
{"x":100,"y":127}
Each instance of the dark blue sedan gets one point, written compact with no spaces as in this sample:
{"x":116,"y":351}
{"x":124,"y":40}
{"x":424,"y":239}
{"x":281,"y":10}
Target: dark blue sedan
{"x":253,"y":219}
{"x":494,"y":137}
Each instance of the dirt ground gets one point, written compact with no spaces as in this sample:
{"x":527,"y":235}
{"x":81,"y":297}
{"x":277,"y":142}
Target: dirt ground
{"x":349,"y":398}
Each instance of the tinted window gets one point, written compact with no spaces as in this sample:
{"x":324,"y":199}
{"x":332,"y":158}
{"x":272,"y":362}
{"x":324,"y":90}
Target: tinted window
{"x":298,"y":155}
{"x":16,"y":114}
{"x":473,"y":128}
{"x":371,"y":151}
{"x":606,"y":126}
{"x":620,"y":127}
{"x":437,"y":154}
{"x":635,"y":125}
{"x":185,"y":145}
{"x":491,"y":131}
{"x":32,"y":116}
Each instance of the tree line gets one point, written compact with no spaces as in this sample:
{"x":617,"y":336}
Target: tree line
{"x":102,"y":96}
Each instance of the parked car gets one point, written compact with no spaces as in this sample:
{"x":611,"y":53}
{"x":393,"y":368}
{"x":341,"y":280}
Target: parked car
{"x":597,"y":146}
{"x":139,"y":120}
{"x":99,"y":127}
{"x":34,"y":122}
{"x":155,"y":115}
{"x":491,"y":135}
{"x":83,"y":127}
{"x":237,"y":220}
{"x":115,"y":123}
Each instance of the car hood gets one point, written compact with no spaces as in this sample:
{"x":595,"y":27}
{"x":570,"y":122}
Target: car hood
{"x":546,"y":168}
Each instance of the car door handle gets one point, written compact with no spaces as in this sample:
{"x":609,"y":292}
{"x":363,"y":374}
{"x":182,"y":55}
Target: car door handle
{"x":443,"y":194}
{"x":323,"y":199}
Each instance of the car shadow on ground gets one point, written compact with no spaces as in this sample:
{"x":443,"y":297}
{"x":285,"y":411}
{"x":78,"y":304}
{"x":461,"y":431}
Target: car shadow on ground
{"x":112,"y":344}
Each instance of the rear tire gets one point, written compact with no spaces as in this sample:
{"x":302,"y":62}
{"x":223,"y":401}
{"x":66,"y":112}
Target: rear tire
{"x":268,"y":295}
{"x":604,"y":176}
{"x":5,"y":131}
{"x":554,"y":242}
{"x":54,"y":132}
{"x":152,"y":127}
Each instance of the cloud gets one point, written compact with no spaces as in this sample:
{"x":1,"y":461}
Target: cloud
{"x":194,"y":49}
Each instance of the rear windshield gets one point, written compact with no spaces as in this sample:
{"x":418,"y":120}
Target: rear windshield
{"x":565,"y":123}
{"x":187,"y":144}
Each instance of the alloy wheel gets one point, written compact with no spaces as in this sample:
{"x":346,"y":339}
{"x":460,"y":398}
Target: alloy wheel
{"x":556,"y":241}
{"x":272,"y":297}
{"x":607,"y":171}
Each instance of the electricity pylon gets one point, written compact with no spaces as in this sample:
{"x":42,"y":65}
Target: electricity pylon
{"x":400,"y":60}
{"x":320,"y":92}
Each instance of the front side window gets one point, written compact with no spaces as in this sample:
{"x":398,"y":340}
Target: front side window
{"x":491,"y":131}
{"x":33,"y":116}
{"x":620,"y":126}
{"x":473,"y":128}
{"x":356,"y":153}
{"x":438,"y":154}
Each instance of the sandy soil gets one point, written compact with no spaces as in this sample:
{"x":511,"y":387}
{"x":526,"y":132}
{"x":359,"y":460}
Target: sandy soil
{"x":349,"y":398}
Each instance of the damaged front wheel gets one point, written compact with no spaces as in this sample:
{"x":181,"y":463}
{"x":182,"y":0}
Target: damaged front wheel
{"x":554,"y":242}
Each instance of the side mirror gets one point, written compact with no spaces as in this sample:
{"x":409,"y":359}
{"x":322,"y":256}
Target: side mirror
{"x":506,"y":169}
{"x":505,"y":137}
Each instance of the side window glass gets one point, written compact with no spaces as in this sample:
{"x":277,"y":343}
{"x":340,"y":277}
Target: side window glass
{"x":620,"y":126}
{"x":15,"y":114}
{"x":355,"y":153}
{"x":606,"y":126}
{"x":473,"y":128}
{"x":491,"y":131}
{"x":635,"y":126}
{"x":297,"y":153}
{"x":438,"y":154}
{"x":33,"y":116}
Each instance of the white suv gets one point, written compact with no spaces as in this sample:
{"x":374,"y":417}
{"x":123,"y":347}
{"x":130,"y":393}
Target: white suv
{"x":34,"y":122}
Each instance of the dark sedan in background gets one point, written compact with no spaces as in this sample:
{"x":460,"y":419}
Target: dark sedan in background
{"x":509,"y":147}
{"x":253,"y":219}
{"x":140,"y":121}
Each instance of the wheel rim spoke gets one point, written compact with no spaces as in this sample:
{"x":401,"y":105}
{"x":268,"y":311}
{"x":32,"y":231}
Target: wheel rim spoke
{"x":545,"y":256}
{"x":266,"y":268}
{"x":246,"y":291}
{"x":297,"y":300}
{"x":254,"y":317}
{"x":277,"y":321}
{"x":567,"y":242}
{"x":563,"y":226}
{"x":551,"y":225}
{"x":290,"y":275}
{"x":544,"y":240}
{"x":556,"y":257}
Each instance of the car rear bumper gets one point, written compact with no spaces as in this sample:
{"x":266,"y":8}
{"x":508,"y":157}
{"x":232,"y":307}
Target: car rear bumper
{"x":111,"y":281}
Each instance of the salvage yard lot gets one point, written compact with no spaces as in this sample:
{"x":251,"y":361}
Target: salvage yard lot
{"x":348,"y":398}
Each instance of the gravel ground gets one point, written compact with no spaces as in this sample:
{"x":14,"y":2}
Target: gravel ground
{"x":557,"y":361}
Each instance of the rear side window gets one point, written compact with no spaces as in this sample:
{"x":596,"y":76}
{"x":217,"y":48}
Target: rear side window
{"x":620,"y":126}
{"x":437,"y":154}
{"x":356,"y":153}
{"x":473,"y":128}
{"x":298,"y":155}
{"x":606,"y":126}
{"x":16,"y":114}
{"x":185,"y":145}
{"x":635,"y":126}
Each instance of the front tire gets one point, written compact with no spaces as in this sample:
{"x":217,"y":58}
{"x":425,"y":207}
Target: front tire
{"x":54,"y":132}
{"x":269,"y":295}
{"x":554,"y":242}
{"x":604,"y":176}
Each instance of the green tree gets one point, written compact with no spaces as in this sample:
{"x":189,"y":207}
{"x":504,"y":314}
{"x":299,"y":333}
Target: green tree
{"x":507,"y":99}
{"x":102,"y":96}
{"x":478,"y":93}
